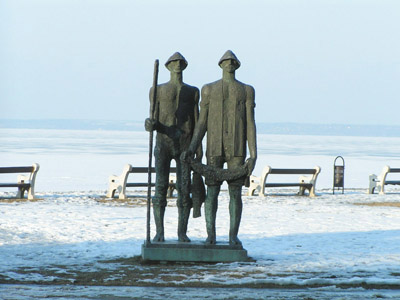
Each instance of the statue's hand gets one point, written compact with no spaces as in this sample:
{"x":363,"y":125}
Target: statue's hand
{"x":150,"y":124}
{"x":251,"y":163}
{"x":199,"y":154}
{"x":186,"y":155}
{"x":174,"y":133}
{"x":198,"y":158}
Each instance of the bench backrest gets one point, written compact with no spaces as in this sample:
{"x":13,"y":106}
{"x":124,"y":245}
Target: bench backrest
{"x":386,"y":170}
{"x":292,"y":171}
{"x":16,"y":169}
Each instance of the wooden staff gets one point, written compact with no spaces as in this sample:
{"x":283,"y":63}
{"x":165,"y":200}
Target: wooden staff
{"x":152,"y":108}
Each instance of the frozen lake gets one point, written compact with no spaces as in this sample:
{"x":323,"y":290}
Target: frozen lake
{"x":328,"y":247}
{"x":79,"y":160}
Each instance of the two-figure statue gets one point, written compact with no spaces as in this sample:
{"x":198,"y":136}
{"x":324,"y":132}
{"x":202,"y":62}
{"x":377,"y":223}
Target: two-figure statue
{"x":227,"y":115}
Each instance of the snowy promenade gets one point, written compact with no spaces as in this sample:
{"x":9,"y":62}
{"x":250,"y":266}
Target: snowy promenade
{"x":71,"y":243}
{"x":297,"y":242}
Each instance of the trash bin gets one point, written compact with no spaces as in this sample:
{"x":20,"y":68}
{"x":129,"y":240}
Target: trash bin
{"x":338,"y":175}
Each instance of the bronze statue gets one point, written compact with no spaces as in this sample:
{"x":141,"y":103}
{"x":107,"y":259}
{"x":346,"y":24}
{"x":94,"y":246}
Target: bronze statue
{"x":227,"y":115}
{"x":176,"y":113}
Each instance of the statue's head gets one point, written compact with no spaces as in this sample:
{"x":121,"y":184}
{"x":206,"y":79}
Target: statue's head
{"x":229,"y":62}
{"x":176,"y":63}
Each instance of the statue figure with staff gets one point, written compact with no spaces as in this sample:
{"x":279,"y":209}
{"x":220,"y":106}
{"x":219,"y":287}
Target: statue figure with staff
{"x":175,"y":113}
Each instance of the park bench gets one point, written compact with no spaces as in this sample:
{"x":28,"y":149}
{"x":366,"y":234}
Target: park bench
{"x":24,"y":182}
{"x":379,"y":182}
{"x":305,"y":182}
{"x":120,"y":183}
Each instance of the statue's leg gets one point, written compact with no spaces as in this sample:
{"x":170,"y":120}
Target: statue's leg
{"x":162,"y":164}
{"x":235,"y":202}
{"x":184,"y":202}
{"x":211,"y":206}
{"x":211,"y":201}
{"x":235,"y":213}
{"x":183,"y":219}
{"x":158,"y":212}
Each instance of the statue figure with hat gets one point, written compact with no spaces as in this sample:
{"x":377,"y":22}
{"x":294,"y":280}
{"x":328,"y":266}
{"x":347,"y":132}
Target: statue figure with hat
{"x":175,"y":115}
{"x":227,"y":115}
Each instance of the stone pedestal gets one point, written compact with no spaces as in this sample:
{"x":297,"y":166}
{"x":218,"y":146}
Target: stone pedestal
{"x":193,"y":252}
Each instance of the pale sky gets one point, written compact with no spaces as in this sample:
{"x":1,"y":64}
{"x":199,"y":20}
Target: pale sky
{"x":309,"y":61}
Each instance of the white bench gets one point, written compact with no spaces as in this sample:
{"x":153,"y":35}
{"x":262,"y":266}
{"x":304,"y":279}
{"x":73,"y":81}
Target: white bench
{"x":24,"y":182}
{"x":305,"y":182}
{"x":379,"y":182}
{"x":120,"y":183}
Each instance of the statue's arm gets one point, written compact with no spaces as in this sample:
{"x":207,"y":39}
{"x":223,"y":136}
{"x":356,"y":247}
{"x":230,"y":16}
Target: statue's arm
{"x":151,"y":123}
{"x":251,"y":127}
{"x":156,"y":105}
{"x":201,"y":125}
{"x":199,"y":151}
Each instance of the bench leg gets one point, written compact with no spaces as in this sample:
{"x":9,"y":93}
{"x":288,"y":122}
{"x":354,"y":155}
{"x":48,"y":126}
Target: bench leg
{"x":110,"y":193}
{"x":20,"y":193}
{"x":302,"y":190}
{"x":31,"y":193}
{"x":382,"y":180}
{"x":382,"y":189}
{"x":254,"y":185}
{"x":122,"y":191}
{"x":371,"y":189}
{"x":170,"y":191}
{"x":312,"y":191}
{"x":306,"y":180}
{"x":113,"y":183}
{"x":372,"y":183}
{"x":263,"y":179}
{"x":122,"y":195}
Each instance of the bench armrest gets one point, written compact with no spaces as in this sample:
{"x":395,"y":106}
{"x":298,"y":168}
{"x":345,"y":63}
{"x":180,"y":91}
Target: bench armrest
{"x":373,"y":182}
{"x":382,"y":179}
{"x":255,"y":185}
{"x":31,"y":179}
{"x":263,"y":179}
{"x":314,"y":180}
{"x":118,"y":183}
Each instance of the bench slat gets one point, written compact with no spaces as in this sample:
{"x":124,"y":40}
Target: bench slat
{"x":292,"y":171}
{"x":138,"y":184}
{"x":393,"y":182}
{"x":287,"y":184}
{"x":394,"y":170}
{"x":16,"y":169}
{"x":145,"y":170}
{"x":26,"y":185}
{"x":141,"y":170}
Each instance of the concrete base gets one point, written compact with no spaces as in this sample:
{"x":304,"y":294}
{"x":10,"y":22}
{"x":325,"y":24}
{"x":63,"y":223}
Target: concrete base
{"x":193,"y":252}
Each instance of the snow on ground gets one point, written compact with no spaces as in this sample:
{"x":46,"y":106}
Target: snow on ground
{"x":324,"y":243}
{"x":23,"y":292}
{"x":304,"y":241}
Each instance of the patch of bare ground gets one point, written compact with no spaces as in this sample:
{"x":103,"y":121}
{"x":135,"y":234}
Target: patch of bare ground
{"x":16,"y":200}
{"x":135,"y":272}
{"x":131,"y":201}
{"x":139,"y":201}
{"x":391,"y":204}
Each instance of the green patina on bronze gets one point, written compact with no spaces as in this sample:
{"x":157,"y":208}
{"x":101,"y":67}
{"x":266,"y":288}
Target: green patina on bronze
{"x":227,"y":116}
{"x":176,"y":112}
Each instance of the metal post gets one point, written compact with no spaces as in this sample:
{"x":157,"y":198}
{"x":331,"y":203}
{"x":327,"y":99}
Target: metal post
{"x":152,"y":107}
